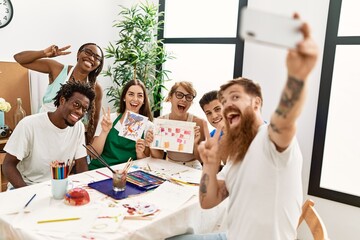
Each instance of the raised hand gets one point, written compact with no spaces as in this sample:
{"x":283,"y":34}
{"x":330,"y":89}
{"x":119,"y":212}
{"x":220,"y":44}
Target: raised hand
{"x":301,"y":61}
{"x":209,"y":149}
{"x":54,"y":51}
{"x":106,"y":123}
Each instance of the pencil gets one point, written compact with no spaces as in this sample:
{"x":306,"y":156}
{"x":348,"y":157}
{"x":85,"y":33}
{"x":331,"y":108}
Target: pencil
{"x":58,"y":220}
{"x":148,"y":165}
{"x":184,"y":182}
{"x":103,"y":174}
{"x":30,"y":200}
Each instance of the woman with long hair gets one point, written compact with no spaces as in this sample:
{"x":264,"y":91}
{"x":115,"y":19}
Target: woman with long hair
{"x":115,"y":149}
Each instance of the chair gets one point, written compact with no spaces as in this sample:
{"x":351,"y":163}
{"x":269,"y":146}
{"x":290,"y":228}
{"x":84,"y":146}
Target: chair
{"x":313,"y":221}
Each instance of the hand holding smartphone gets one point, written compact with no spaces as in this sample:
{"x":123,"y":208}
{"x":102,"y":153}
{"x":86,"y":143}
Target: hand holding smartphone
{"x":269,"y":28}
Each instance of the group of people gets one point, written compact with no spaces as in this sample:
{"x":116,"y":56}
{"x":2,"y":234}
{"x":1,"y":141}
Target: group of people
{"x":103,"y":135}
{"x":262,"y":174}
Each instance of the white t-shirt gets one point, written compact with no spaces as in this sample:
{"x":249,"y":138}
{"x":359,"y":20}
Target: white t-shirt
{"x":265,"y":191}
{"x":36,"y":142}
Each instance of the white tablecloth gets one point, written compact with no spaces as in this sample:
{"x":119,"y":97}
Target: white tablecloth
{"x":179,"y":212}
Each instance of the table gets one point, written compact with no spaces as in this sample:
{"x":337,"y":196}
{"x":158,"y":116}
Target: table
{"x":179,"y":212}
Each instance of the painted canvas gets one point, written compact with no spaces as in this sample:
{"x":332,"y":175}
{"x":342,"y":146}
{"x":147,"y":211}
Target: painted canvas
{"x":173,"y":135}
{"x":133,"y":126}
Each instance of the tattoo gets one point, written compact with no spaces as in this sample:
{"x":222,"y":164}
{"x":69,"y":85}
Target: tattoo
{"x":223,"y":192}
{"x":203,"y":186}
{"x":275,"y":128}
{"x":290,"y":96}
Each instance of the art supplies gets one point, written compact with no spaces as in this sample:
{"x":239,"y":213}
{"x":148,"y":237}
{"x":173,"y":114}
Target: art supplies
{"x":58,"y":220}
{"x":60,"y":170}
{"x":106,"y":187}
{"x":144,"y":180}
{"x":93,"y":151}
{"x":133,"y":126}
{"x":27,"y":204}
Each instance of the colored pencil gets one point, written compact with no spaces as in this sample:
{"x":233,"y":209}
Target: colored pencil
{"x":30,"y":200}
{"x":58,"y":220}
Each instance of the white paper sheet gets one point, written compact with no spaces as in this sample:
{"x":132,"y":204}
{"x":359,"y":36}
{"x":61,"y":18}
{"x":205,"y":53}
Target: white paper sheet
{"x":173,"y":135}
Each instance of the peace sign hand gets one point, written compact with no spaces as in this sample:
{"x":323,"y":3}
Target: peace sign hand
{"x":54,"y":51}
{"x":106,"y":123}
{"x":209,"y":149}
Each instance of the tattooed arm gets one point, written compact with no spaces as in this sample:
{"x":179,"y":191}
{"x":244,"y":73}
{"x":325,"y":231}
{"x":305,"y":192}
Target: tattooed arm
{"x":211,"y":191}
{"x":300,"y":62}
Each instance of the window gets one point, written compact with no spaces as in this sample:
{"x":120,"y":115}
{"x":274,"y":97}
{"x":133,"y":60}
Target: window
{"x":203,"y":37}
{"x":336,"y":151}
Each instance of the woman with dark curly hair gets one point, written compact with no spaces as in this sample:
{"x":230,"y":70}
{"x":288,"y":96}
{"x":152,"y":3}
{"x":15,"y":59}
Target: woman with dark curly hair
{"x":90,"y":60}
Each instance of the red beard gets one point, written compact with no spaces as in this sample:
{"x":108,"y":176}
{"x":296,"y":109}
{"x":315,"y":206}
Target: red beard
{"x":237,"y":140}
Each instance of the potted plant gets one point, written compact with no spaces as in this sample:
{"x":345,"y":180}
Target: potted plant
{"x":138,"y":54}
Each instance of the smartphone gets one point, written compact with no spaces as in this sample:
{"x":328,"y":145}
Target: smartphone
{"x":269,"y":28}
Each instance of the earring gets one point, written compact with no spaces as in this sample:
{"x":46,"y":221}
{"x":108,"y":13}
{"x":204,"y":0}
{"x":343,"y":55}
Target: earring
{"x":124,"y":100}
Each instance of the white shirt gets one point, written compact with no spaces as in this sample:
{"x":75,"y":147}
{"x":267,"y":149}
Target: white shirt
{"x":36,"y":142}
{"x":265,"y":191}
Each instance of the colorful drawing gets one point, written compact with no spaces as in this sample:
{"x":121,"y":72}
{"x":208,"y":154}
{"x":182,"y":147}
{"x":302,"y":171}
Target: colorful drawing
{"x":173,"y":135}
{"x":133,"y":126}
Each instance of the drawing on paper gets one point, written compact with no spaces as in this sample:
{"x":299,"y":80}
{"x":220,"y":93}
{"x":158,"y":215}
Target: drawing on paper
{"x":133,"y":126}
{"x":173,"y":135}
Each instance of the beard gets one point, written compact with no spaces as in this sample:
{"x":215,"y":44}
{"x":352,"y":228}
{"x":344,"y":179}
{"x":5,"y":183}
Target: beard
{"x":69,"y":123}
{"x":236,"y":140}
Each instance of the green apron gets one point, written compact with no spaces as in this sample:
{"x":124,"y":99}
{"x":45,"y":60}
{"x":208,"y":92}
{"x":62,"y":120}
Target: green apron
{"x":117,"y":149}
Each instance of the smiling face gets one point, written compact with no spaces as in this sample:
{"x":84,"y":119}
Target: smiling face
{"x":74,"y":108}
{"x":134,"y":98}
{"x":213,"y":112}
{"x":180,"y":106}
{"x":235,"y":100}
{"x":89,"y":57}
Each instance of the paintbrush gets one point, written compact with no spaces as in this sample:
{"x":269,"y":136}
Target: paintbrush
{"x":95,"y":153}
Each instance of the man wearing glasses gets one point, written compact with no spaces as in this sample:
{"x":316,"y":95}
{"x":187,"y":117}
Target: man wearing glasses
{"x":42,"y":138}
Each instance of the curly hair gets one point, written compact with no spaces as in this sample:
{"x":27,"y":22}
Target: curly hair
{"x":68,"y":89}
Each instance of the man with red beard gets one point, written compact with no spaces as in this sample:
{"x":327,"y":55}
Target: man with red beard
{"x":42,"y":138}
{"x":262,"y":176}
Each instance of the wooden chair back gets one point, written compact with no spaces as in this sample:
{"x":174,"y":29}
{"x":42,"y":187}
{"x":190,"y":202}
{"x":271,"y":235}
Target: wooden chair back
{"x":313,"y":221}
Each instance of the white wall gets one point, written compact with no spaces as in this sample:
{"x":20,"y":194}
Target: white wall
{"x":38,"y":24}
{"x":76,"y":22}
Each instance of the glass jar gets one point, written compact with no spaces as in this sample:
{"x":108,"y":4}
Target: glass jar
{"x":19,"y":112}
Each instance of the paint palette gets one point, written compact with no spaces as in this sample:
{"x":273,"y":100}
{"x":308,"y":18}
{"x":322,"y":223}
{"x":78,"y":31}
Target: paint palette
{"x":144,"y":180}
{"x":140,"y":209}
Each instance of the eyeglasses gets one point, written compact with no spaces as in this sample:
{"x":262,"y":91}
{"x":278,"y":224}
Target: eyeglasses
{"x":77,"y":105}
{"x":90,"y":53}
{"x":180,"y":95}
